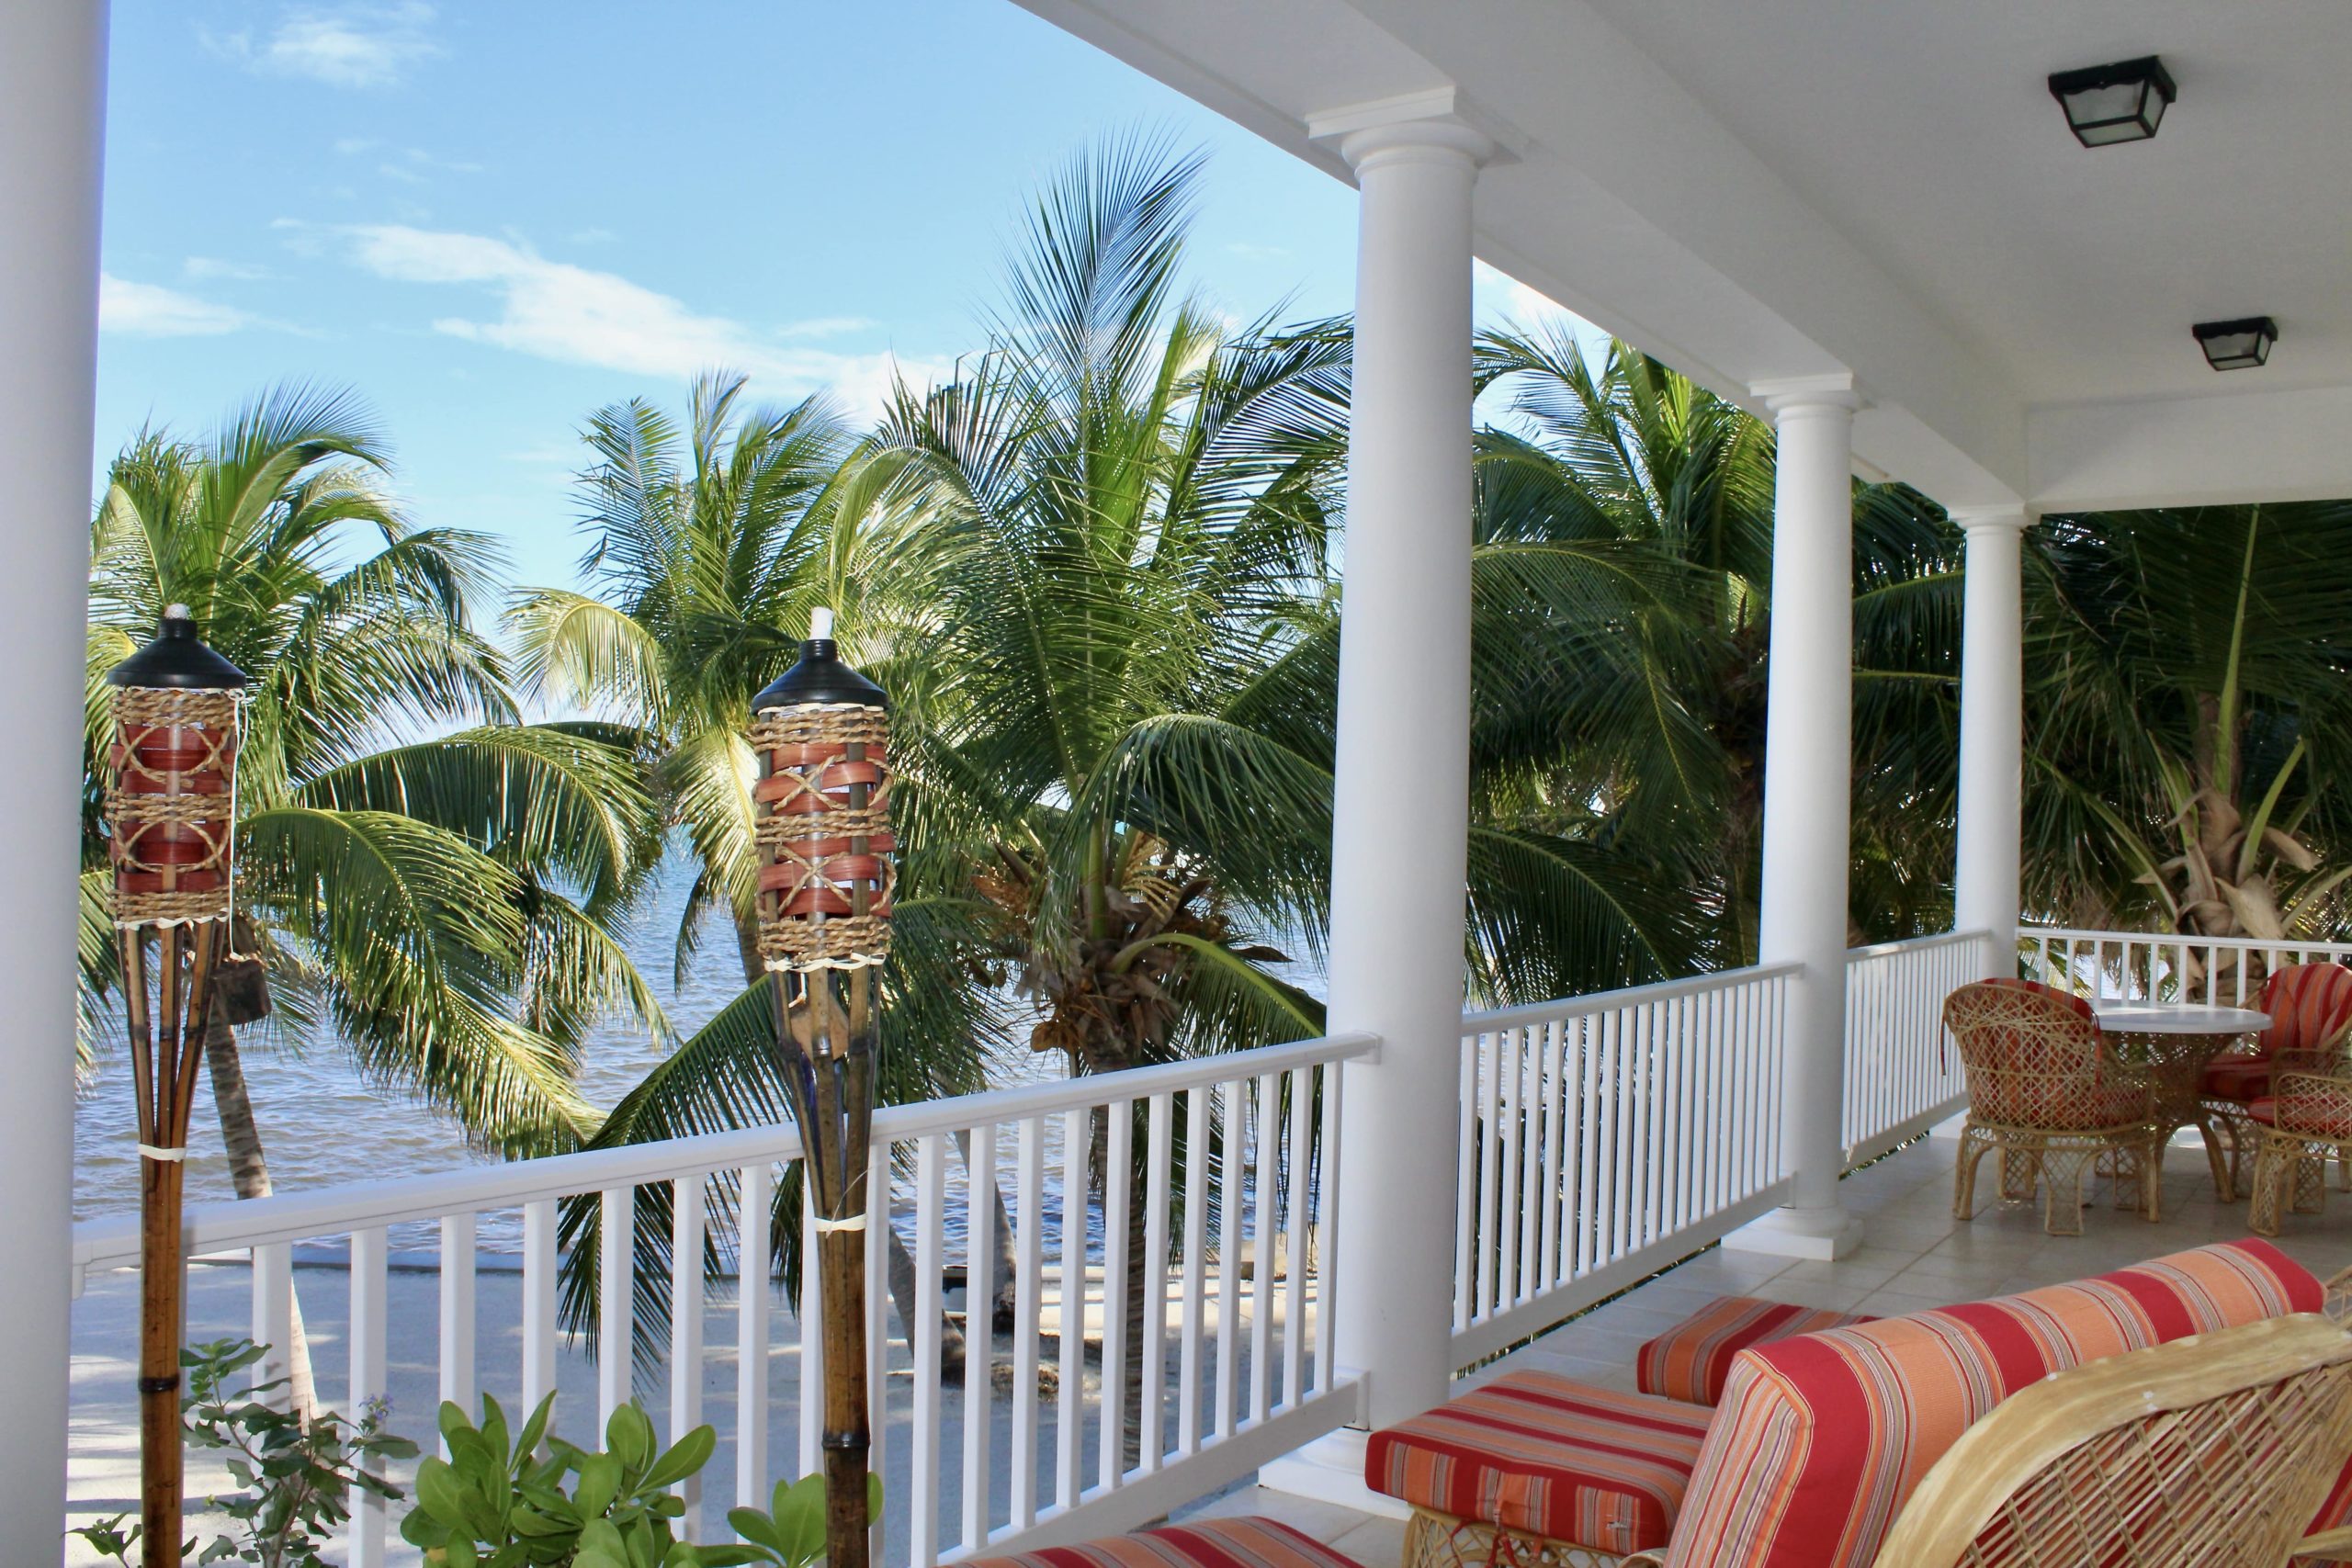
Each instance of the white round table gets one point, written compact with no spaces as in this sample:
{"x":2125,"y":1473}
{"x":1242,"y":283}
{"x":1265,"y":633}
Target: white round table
{"x":2168,"y":1048}
{"x":2155,"y":1018}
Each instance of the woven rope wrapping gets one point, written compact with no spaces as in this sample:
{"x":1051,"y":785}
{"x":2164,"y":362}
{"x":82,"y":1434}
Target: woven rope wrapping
{"x":171,"y":805}
{"x":812,"y":873}
{"x":2044,"y":1091}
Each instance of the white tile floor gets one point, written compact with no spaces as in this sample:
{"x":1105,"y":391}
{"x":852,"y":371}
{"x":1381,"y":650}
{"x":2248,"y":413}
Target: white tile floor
{"x":1914,"y":1255}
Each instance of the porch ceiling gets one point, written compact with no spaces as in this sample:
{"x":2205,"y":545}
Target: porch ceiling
{"x":1777,"y":187}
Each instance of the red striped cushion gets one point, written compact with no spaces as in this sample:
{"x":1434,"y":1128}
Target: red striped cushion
{"x":1240,"y":1542}
{"x":2078,"y":1003}
{"x":2317,"y":1116}
{"x":2236,"y":1077}
{"x":1691,"y":1361}
{"x":1539,"y":1453}
{"x":2310,"y":1007}
{"x":1821,"y":1438}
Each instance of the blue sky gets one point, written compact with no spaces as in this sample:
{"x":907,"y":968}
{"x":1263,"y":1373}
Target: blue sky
{"x":490,"y":219}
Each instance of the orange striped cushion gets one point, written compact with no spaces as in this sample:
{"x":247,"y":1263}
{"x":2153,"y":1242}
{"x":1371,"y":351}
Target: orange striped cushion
{"x":2310,"y":1007}
{"x":2236,"y":1077}
{"x":1240,"y":1542}
{"x":1691,"y":1361}
{"x":1539,"y":1453}
{"x":1821,"y":1438}
{"x":2317,"y":1116}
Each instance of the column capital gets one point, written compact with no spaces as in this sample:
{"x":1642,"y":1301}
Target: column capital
{"x":1798,"y":394}
{"x":1419,"y":124}
{"x":1990,"y":519}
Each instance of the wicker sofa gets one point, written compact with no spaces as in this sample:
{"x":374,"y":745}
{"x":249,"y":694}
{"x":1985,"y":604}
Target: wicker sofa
{"x":1818,"y":1438}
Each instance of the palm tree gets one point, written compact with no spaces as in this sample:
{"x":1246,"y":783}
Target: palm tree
{"x":435,"y":905}
{"x":2189,"y":683}
{"x":709,"y":546}
{"x":1647,"y":730}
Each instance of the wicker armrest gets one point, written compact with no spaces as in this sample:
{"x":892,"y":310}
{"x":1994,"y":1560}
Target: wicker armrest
{"x":1652,"y":1560}
{"x":2317,"y":1064}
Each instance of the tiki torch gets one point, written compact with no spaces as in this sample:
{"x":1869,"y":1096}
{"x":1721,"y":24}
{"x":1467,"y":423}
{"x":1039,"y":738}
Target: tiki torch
{"x":170,"y":813}
{"x":822,"y":809}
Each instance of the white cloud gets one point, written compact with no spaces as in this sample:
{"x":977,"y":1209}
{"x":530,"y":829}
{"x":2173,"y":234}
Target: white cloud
{"x":576,"y":315}
{"x":829,"y":326}
{"x":1250,"y":250}
{"x":343,"y":46}
{"x":148,"y":310}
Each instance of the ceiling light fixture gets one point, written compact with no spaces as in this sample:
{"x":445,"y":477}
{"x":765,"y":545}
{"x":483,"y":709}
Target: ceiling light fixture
{"x":2107,"y":104}
{"x":2236,"y":345}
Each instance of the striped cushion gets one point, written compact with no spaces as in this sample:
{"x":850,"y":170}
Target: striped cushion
{"x":1820,"y":1439}
{"x":2236,"y":1077}
{"x":1691,"y":1361}
{"x":2310,"y":1007}
{"x":1538,"y":1454}
{"x":2317,"y":1116}
{"x":1240,"y":1542}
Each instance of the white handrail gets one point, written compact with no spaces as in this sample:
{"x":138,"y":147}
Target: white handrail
{"x":1528,"y":1013}
{"x":113,"y":1241}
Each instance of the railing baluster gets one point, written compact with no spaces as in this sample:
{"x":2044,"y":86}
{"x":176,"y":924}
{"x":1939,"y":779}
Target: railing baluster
{"x":878,"y":1326}
{"x":979,"y":1329}
{"x":539,"y":1302}
{"x":686,"y":1228}
{"x":616,"y":1236}
{"x":1327,"y":1231}
{"x":1194,"y":1306}
{"x":1029,"y":1242}
{"x":755,"y":1199}
{"x":1297,"y":1168}
{"x":1118,"y":1176}
{"x":1264,"y":1218}
{"x":1160,"y":1130}
{"x":273,"y":1288}
{"x":457,"y":1281}
{"x":1231,"y":1175}
{"x":1069,"y":1406}
{"x":369,"y":1255}
{"x":1555,"y":1166}
{"x":922,"y":1465}
{"x":808,"y":1323}
{"x":1466,"y":1189}
{"x":1490,"y":1184}
{"x":1502,"y":1240}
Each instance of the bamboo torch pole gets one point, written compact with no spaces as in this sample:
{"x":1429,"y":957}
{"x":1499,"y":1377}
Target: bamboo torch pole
{"x":170,"y":807}
{"x":821,"y":733}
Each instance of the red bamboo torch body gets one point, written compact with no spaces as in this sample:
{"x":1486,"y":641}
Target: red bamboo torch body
{"x":823,"y":805}
{"x":171,"y":816}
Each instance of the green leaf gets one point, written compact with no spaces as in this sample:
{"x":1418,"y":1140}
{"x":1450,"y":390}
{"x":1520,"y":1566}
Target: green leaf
{"x":756,"y":1526}
{"x":600,"y":1482}
{"x":800,"y":1518}
{"x":628,"y":1436}
{"x":685,"y":1456}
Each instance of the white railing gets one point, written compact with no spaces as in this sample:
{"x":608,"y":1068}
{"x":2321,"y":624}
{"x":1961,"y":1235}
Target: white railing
{"x":1603,"y":1136}
{"x":2143,"y":967}
{"x":1901,"y":1077}
{"x":1197,"y":1184}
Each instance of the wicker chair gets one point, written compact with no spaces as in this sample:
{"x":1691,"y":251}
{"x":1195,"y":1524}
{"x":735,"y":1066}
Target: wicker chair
{"x":2217,"y":1450}
{"x":2311,"y":1009}
{"x":2306,"y":1117}
{"x":2044,"y":1089}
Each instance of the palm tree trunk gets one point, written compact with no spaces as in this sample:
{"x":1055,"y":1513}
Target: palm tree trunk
{"x":901,"y":1265}
{"x":1007,"y":1262}
{"x":249,"y":1171}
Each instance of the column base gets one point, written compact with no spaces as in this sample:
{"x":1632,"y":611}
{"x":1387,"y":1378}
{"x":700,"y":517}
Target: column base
{"x":1331,"y":1470}
{"x":1817,"y":1236}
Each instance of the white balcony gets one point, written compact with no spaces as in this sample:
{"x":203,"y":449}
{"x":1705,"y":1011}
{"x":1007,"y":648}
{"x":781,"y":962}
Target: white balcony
{"x":1600,"y":1148}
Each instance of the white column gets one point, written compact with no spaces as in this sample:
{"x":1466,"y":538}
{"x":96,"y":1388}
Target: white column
{"x":53,"y":77}
{"x":1992,"y":727}
{"x":1401,"y":793}
{"x":1807,"y":774}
